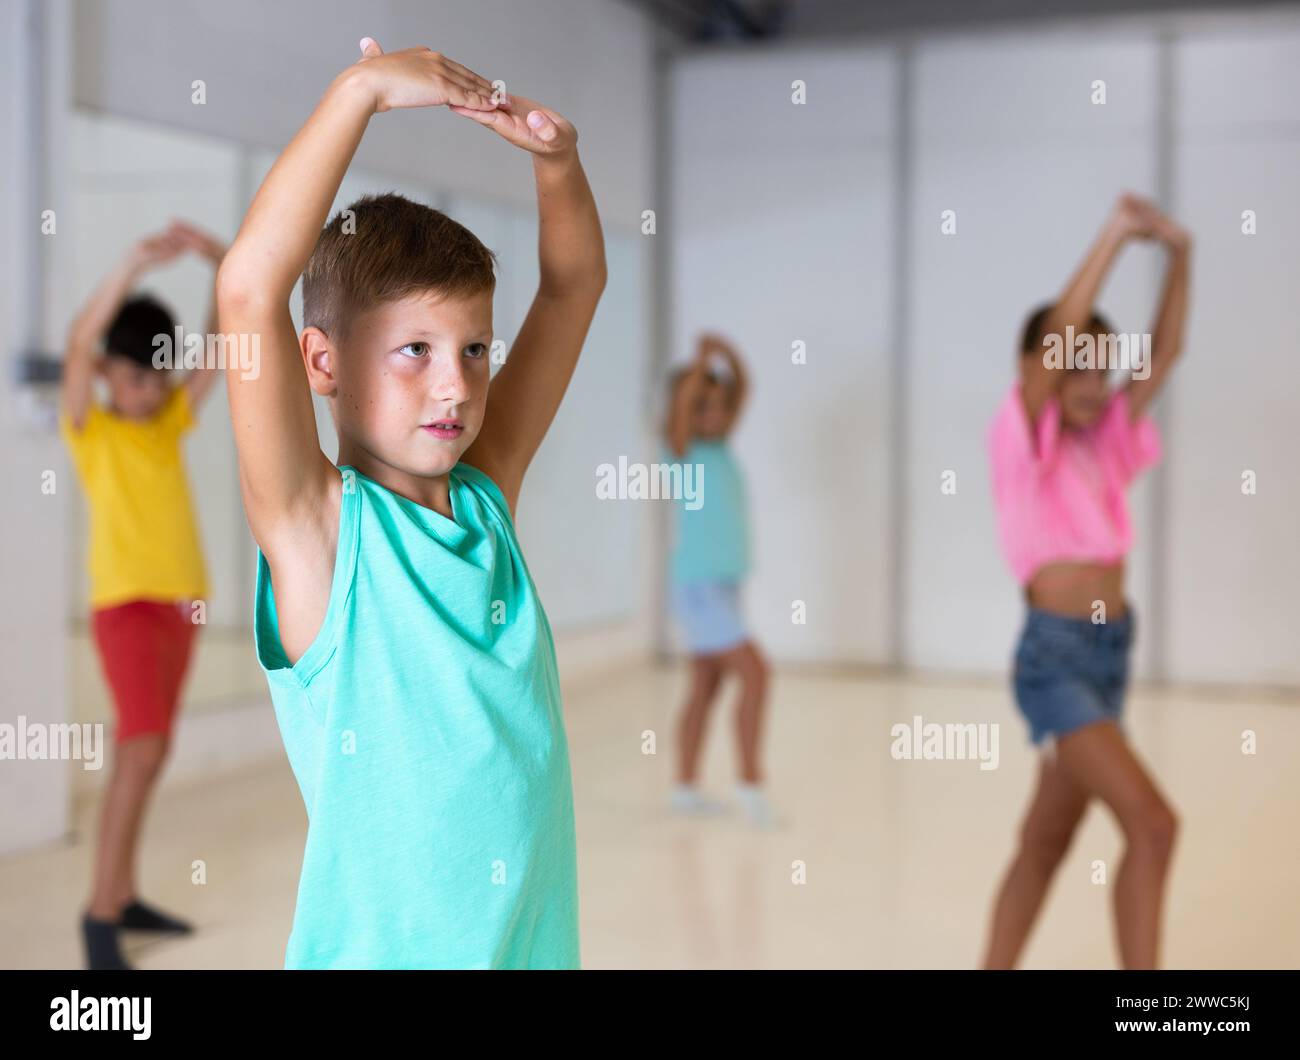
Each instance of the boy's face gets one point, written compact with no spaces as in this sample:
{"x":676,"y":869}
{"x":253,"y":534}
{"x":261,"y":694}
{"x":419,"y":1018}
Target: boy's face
{"x":410,"y":385}
{"x":136,"y":392}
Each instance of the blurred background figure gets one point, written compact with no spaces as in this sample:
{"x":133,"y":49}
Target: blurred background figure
{"x":1064,"y":448}
{"x":710,"y":559}
{"x":146,"y":562}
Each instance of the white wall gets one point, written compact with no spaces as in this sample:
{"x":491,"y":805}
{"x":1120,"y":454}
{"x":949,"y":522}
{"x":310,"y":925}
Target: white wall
{"x":586,"y":554}
{"x":589,"y":59}
{"x":130,"y":179}
{"x":1031,"y":173}
{"x":265,"y":66}
{"x":782,"y":218}
{"x":781,"y":231}
{"x":1234,"y":614}
{"x":35,"y":795}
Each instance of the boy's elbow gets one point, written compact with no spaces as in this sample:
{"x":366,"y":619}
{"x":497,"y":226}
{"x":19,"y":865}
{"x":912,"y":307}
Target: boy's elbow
{"x":232,"y":290}
{"x":238,"y":287}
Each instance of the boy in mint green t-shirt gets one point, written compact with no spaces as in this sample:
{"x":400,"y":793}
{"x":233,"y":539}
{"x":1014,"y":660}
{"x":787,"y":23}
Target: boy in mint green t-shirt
{"x":410,"y":662}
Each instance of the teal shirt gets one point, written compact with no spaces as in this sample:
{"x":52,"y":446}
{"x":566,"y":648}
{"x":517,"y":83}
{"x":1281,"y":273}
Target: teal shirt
{"x":711,"y":532}
{"x":425,"y":729}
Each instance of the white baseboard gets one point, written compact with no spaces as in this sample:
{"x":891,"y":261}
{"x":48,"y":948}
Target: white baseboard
{"x":589,"y":654}
{"x":221,"y":738}
{"x":212,"y":741}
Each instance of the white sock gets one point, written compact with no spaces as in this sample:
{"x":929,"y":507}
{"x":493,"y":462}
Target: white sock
{"x":753,"y":799}
{"x":689,"y":798}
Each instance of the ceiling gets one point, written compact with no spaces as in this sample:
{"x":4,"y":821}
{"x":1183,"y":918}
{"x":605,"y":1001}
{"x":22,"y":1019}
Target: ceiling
{"x":754,"y":21}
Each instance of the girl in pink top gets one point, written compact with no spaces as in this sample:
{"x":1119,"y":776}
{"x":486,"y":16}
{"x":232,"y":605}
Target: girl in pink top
{"x":1064,"y":447}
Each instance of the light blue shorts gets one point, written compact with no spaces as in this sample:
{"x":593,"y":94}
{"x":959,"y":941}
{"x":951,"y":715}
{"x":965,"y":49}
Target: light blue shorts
{"x":708,"y":614}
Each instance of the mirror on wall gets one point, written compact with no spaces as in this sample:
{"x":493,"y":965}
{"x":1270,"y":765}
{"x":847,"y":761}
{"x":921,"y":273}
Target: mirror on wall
{"x":130,"y":178}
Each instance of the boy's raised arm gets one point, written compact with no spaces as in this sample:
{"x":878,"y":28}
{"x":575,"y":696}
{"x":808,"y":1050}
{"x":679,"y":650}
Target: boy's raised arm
{"x":527,"y":391}
{"x":282,"y":469}
{"x":281,"y":466}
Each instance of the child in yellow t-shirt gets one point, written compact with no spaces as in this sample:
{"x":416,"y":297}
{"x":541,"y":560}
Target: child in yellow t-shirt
{"x":146,"y":565}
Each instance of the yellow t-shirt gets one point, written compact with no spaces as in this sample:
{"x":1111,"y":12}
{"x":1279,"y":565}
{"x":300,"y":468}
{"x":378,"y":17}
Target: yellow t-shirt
{"x":144,"y":540}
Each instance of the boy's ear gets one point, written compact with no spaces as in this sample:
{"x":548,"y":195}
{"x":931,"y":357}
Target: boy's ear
{"x":318,"y":360}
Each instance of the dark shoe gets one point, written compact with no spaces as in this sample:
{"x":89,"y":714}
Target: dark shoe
{"x":102,"y":950}
{"x":140,"y":917}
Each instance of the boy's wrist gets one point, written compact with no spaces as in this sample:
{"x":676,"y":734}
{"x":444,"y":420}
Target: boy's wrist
{"x":353,"y":82}
{"x":557,"y":165}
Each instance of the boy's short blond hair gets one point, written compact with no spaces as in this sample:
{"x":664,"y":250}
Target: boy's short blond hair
{"x":383,"y":248}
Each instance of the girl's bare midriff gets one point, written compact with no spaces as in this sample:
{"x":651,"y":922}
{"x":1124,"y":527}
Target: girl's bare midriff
{"x":1073,"y":589}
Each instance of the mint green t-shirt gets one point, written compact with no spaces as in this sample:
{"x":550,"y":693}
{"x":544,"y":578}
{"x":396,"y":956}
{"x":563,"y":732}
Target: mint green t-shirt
{"x":425,"y":729}
{"x":711,"y":530}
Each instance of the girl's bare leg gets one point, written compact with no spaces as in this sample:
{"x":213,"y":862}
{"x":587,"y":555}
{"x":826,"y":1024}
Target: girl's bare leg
{"x":752,"y":669}
{"x":1045,"y":835}
{"x":1099,"y":759}
{"x":706,"y":678}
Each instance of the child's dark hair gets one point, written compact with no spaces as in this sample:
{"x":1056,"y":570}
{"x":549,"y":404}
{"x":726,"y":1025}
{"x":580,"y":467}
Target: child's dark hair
{"x":1031,"y":337}
{"x":383,"y":248}
{"x":132,"y":333}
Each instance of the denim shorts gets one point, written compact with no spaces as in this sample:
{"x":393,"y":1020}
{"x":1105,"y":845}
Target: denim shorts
{"x":1070,"y":672}
{"x":708,"y":614}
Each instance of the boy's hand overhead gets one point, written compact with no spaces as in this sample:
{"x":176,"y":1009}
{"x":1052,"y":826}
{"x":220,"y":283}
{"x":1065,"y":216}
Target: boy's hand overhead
{"x":527,"y":124}
{"x":418,"y":77}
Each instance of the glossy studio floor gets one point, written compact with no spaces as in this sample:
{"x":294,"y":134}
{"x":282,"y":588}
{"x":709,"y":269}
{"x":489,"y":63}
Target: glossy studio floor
{"x":877,"y":862}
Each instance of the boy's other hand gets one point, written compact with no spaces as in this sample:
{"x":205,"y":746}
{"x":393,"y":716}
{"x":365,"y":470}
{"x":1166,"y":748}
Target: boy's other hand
{"x":418,"y":77}
{"x":527,"y":124}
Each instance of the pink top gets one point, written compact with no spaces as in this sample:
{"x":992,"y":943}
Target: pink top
{"x":1060,"y":494}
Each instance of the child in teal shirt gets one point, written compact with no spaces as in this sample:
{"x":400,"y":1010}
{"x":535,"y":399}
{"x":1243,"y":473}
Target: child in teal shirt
{"x":410,"y":662}
{"x":710,"y":558}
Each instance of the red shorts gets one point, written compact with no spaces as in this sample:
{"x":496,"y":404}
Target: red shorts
{"x":144,"y":649}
